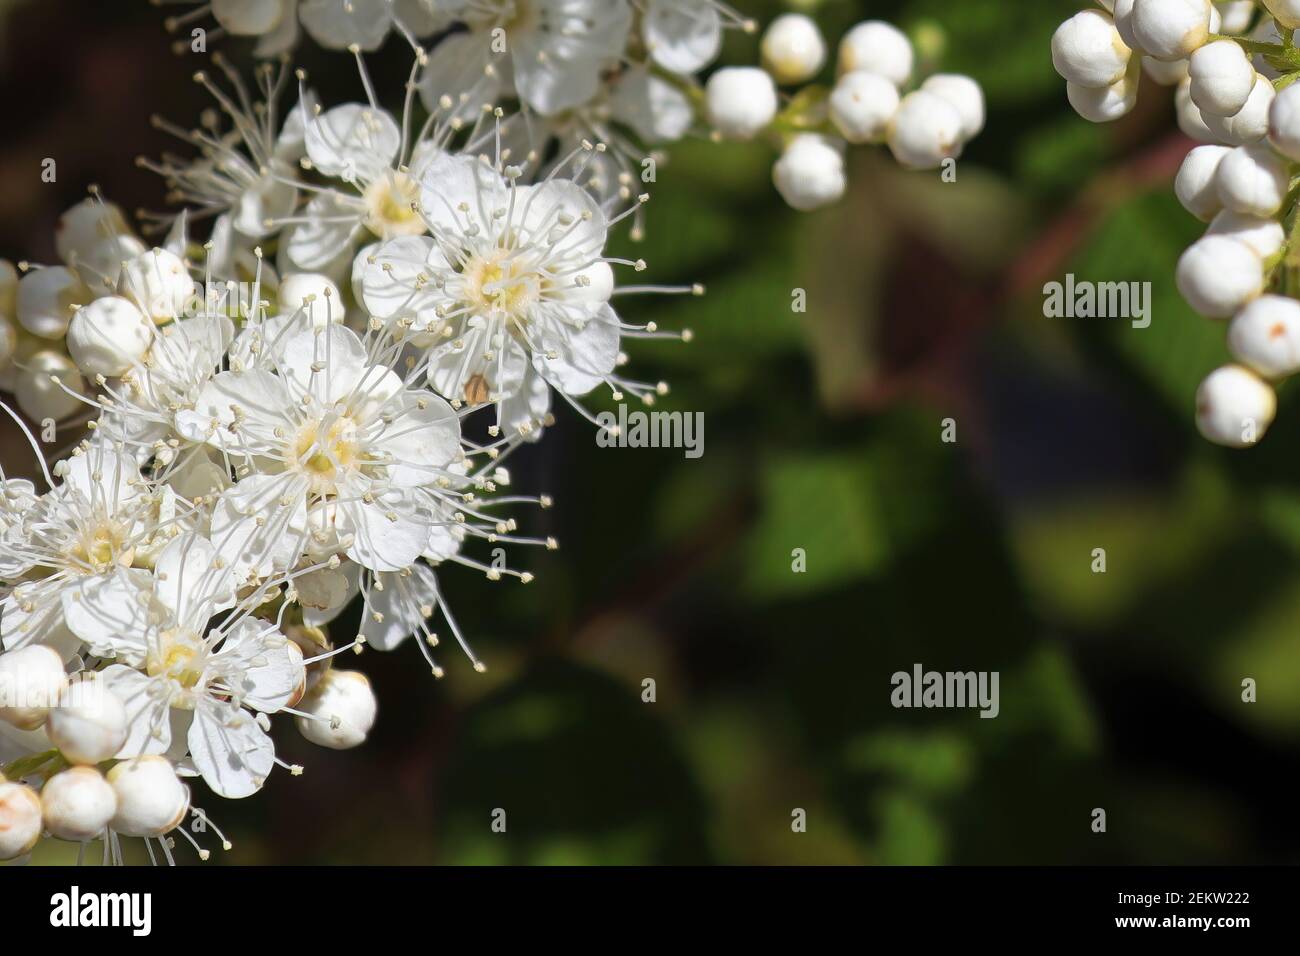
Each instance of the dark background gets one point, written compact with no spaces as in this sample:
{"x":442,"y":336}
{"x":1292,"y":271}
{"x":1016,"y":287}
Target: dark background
{"x":1118,"y":690}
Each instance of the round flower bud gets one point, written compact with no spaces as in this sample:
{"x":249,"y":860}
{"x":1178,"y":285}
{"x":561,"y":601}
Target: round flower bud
{"x":1217,"y":275}
{"x":20,"y":819}
{"x":1107,"y":104}
{"x":39,"y":396}
{"x":8,"y":340}
{"x":1234,"y":407}
{"x":1265,"y":236}
{"x":1252,"y":180}
{"x":741,"y":101}
{"x":1088,"y":51}
{"x":877,"y":47}
{"x":810,"y":173}
{"x":108,"y":337}
{"x":926,"y":131}
{"x":1195,"y":184}
{"x":108,"y":255}
{"x":793,"y":49}
{"x":1236,"y":15}
{"x":87,"y":224}
{"x":1169,"y":73}
{"x":862,"y":104}
{"x":1266,"y":336}
{"x":31,"y":680}
{"x":964,"y":95}
{"x":1171,"y":29}
{"x":315,"y":293}
{"x":248,"y":17}
{"x":89,"y":724}
{"x":1221,"y":77}
{"x":159,"y":283}
{"x":151,"y":800}
{"x":1287,"y":12}
{"x":1250,"y":123}
{"x":77,"y":804}
{"x":344,"y":707}
{"x":1122,"y":13}
{"x":1283,"y":123}
{"x":1190,"y":120}
{"x":46,"y":298}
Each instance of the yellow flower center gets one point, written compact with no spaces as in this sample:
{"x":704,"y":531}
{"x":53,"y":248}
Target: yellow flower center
{"x":388,"y":207}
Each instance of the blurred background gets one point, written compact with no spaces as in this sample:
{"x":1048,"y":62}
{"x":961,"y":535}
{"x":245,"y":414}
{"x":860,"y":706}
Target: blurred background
{"x":823,"y":432}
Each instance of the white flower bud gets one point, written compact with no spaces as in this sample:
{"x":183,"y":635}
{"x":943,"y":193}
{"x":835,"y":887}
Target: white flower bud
{"x":1252,"y":180}
{"x":1236,"y":15}
{"x":1109,"y":103}
{"x":38,"y":396}
{"x":1265,"y":236}
{"x":810,"y":173}
{"x":862,"y":104}
{"x":345,"y":705}
{"x":31,"y":680}
{"x":963,"y":94}
{"x":1221,"y":77}
{"x":87,"y":224}
{"x":926,"y":131}
{"x":248,"y":17}
{"x":1171,"y":29}
{"x":1122,"y":12}
{"x":89,"y":724}
{"x":151,"y":800}
{"x":1169,"y":73}
{"x":1283,"y":122}
{"x":1266,"y":336}
{"x":1234,"y":407}
{"x":1217,"y":275}
{"x":741,"y":101}
{"x":20,"y":820}
{"x":8,"y":340}
{"x":326,"y":303}
{"x":1190,"y":120}
{"x":45,"y":300}
{"x":77,"y":804}
{"x":109,"y":336}
{"x":1287,"y":12}
{"x":877,"y":47}
{"x":159,"y":283}
{"x":1088,"y":51}
{"x":793,"y":49}
{"x":1250,"y":124}
{"x":1195,"y":183}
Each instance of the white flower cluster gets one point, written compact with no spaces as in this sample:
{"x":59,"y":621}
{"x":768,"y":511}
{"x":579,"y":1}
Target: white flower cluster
{"x":626,"y":74}
{"x":1234,"y":64}
{"x":267,"y":442}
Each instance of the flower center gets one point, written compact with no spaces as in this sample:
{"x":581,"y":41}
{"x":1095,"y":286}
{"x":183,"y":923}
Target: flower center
{"x":388,"y":206}
{"x":324,"y":450}
{"x":102,"y":545}
{"x":500,"y":284}
{"x":179,"y":656}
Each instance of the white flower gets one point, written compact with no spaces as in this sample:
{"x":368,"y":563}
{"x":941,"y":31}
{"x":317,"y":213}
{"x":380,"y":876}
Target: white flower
{"x":1265,"y":335}
{"x":1195,"y":184}
{"x":512,"y":285}
{"x":877,"y":47}
{"x":863,"y":105}
{"x":810,"y":173}
{"x":1221,"y":78}
{"x":1088,"y":51}
{"x":741,"y":101}
{"x":185,"y":686}
{"x":339,"y":711}
{"x":77,"y":804}
{"x":1217,"y":275}
{"x":336,"y":440}
{"x":553,"y":50}
{"x":793,"y":49}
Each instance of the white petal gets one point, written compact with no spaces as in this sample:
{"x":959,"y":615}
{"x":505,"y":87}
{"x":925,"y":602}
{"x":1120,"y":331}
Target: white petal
{"x":232,"y":753}
{"x":682,"y":37}
{"x":584,"y":358}
{"x":110,"y":614}
{"x":354,"y":142}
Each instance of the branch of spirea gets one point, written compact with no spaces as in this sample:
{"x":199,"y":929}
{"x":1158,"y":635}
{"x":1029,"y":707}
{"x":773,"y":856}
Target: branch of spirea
{"x":1234,"y":65}
{"x":302,"y":390}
